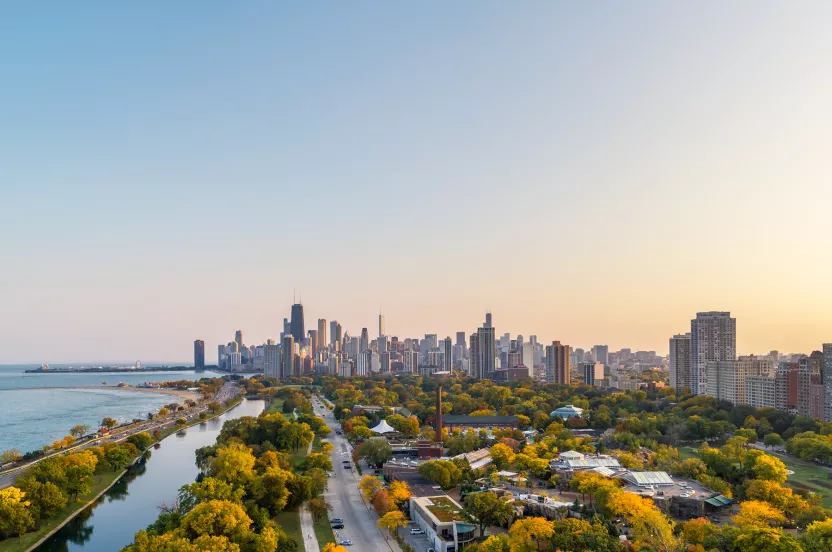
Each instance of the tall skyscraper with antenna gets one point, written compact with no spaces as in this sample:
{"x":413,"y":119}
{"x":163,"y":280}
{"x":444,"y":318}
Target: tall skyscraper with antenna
{"x":380,"y":324}
{"x":296,"y":326}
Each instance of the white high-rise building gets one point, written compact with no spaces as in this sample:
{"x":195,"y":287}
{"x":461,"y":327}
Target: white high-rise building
{"x":713,"y":339}
{"x":680,"y":360}
{"x":380,"y":324}
{"x":271,"y":365}
{"x":527,"y":356}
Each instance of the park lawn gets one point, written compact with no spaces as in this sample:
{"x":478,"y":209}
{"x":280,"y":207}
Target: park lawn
{"x":809,"y":477}
{"x":275,"y":406}
{"x":14,"y":544}
{"x":686,"y":452}
{"x":289,"y":521}
{"x":323,"y":531}
{"x":316,"y":444}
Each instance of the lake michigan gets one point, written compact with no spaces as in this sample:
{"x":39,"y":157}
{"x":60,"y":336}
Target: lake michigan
{"x":33,"y":413}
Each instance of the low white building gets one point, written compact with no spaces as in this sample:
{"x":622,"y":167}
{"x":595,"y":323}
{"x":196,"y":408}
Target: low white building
{"x":440,"y":518}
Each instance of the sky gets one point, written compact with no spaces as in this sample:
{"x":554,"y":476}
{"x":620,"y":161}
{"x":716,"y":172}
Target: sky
{"x":591,"y":172}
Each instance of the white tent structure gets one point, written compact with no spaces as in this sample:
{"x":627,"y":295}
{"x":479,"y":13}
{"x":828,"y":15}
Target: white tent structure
{"x":382,"y":428}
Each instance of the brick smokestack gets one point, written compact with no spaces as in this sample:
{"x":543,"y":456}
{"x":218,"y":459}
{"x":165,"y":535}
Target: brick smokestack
{"x":439,"y":414}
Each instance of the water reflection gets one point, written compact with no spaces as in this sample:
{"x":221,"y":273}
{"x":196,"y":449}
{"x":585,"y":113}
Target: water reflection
{"x":132,"y":503}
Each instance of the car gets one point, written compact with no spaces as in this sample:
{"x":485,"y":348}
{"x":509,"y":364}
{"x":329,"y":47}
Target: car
{"x":431,"y":550}
{"x":338,"y":432}
{"x":337,"y":520}
{"x":337,"y":525}
{"x":417,"y":531}
{"x":345,"y":542}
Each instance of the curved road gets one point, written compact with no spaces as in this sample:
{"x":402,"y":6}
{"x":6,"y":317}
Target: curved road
{"x":343,"y":494}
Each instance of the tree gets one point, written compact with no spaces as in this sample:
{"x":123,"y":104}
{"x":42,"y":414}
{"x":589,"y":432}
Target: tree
{"x":754,"y":513}
{"x":234,"y":464}
{"x":214,"y":407}
{"x":769,"y":468}
{"x":332,"y":547}
{"x":141,"y":440}
{"x":217,"y":518}
{"x":369,"y":486}
{"x":399,"y":492}
{"x":181,"y":422}
{"x":772,"y":440}
{"x":79,"y":469}
{"x":650,"y":527}
{"x":326,"y":448}
{"x":391,"y":521}
{"x":502,"y":455}
{"x":163,"y":412}
{"x":818,"y":537}
{"x":376,"y":451}
{"x":109,"y":423}
{"x":79,"y":430}
{"x":496,"y":543}
{"x":779,"y":497}
{"x":46,"y":498}
{"x":318,"y":507}
{"x":765,"y":539}
{"x":444,"y":473}
{"x":486,"y":508}
{"x":117,"y":457}
{"x":382,"y":502}
{"x":15,"y":512}
{"x":272,"y":489}
{"x":10,"y":456}
{"x":527,"y":533}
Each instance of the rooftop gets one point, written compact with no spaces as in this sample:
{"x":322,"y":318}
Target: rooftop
{"x":441,"y":508}
{"x":478,"y":420}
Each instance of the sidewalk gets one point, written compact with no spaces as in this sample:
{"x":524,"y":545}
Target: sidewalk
{"x":307,"y":526}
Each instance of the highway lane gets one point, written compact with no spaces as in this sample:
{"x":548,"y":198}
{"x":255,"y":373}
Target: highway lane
{"x":227,"y":391}
{"x":343,"y":494}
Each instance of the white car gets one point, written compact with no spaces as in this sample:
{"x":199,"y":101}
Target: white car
{"x":417,"y":531}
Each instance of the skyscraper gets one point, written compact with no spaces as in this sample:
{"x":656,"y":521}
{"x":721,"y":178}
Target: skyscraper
{"x":460,"y":341}
{"x":601,"y":353}
{"x":713,"y":339}
{"x":322,"y":342}
{"x":313,"y":343}
{"x":487,"y":349}
{"x":446,"y":349}
{"x":336,"y":334}
{"x":411,"y":361}
{"x":557,"y":363}
{"x":380,"y":324}
{"x":288,"y":353}
{"x":593,"y":372}
{"x":199,"y":354}
{"x":680,"y":359}
{"x":488,"y":319}
{"x":333,"y":325}
{"x":364,"y":342}
{"x":297,"y":327}
{"x":474,"y":368}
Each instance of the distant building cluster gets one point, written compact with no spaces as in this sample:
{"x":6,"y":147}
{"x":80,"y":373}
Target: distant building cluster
{"x":705,"y":361}
{"x":329,"y":348}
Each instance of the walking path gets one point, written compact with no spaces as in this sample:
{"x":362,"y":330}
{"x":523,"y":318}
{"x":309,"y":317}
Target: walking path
{"x":307,"y":526}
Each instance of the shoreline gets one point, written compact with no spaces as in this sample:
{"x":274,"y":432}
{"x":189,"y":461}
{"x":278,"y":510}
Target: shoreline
{"x":180,"y":393}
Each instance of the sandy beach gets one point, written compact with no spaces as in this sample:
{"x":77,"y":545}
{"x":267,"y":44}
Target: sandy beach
{"x":184,"y":395}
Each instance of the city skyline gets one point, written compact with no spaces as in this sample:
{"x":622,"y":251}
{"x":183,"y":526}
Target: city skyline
{"x":642,"y":162}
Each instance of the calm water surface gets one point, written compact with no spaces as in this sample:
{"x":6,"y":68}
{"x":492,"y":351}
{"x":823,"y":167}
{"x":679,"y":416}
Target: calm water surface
{"x":132,"y":504}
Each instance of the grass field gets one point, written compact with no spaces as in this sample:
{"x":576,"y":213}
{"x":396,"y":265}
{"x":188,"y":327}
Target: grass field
{"x":323,"y":531}
{"x":99,"y":483}
{"x":275,"y":406}
{"x":289,"y":521}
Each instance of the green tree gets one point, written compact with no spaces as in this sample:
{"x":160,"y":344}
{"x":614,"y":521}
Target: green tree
{"x":772,"y":440}
{"x":818,"y":537}
{"x":46,"y":498}
{"x":117,"y":457}
{"x":15,"y":512}
{"x":318,"y":507}
{"x":109,"y":423}
{"x":486,"y":508}
{"x":376,"y":451}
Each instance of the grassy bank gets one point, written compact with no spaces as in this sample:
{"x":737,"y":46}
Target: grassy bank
{"x":323,"y":531}
{"x":99,"y":483}
{"x":289,"y":521}
{"x":275,"y":406}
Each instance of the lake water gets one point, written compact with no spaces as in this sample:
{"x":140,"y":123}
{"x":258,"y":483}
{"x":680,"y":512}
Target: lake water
{"x":33,"y":413}
{"x":132,"y":503}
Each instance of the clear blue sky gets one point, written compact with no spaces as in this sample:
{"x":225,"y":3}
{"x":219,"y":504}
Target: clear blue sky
{"x":592,"y":172}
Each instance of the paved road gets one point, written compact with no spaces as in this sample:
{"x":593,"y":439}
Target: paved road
{"x":227,"y":391}
{"x":343,"y":494}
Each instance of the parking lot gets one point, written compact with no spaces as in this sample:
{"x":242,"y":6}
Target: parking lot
{"x":420,"y":543}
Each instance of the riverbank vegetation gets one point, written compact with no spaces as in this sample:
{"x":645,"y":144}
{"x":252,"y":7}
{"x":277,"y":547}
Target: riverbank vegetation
{"x":254,"y":480}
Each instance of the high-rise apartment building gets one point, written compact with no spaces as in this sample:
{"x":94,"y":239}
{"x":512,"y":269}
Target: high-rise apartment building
{"x":332,"y":328}
{"x":817,"y":390}
{"x":297,"y":327}
{"x":221,"y":357}
{"x":446,"y":350}
{"x":680,"y":360}
{"x":593,"y":372}
{"x":827,"y":381}
{"x":364,"y":342}
{"x":474,"y":367}
{"x":313,"y":342}
{"x":271,"y":363}
{"x":410,"y":361}
{"x":288,"y":353}
{"x":527,"y":356}
{"x":238,"y":338}
{"x":761,"y":391}
{"x":339,"y":339}
{"x":786,"y":385}
{"x":601,"y":353}
{"x":380,"y":325}
{"x":199,"y":354}
{"x":713,"y":339}
{"x":460,"y":340}
{"x":322,"y":340}
{"x":362,"y":365}
{"x":557,"y":363}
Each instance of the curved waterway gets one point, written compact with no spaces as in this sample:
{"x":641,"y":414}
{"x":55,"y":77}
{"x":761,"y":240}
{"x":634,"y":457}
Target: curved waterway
{"x":132,"y":503}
